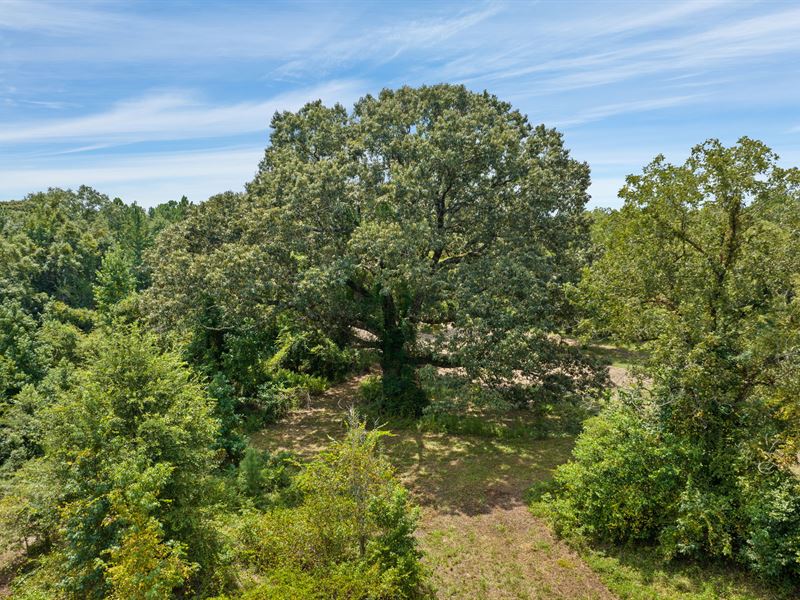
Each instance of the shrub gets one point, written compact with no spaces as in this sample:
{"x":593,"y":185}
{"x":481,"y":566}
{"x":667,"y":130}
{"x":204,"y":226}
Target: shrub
{"x":701,"y":526}
{"x":272,"y":402}
{"x":229,"y":439}
{"x":350,"y":537}
{"x":772,"y":540}
{"x":311,"y":352}
{"x":266,"y":478}
{"x":622,"y":482}
{"x":371,"y":390}
{"x":399,"y":396}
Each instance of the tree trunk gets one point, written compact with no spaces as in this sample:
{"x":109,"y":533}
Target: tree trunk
{"x":401,"y":393}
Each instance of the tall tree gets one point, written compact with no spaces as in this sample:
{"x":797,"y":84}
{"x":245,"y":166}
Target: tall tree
{"x":129,"y":448}
{"x":433,"y":209}
{"x":702,"y":263}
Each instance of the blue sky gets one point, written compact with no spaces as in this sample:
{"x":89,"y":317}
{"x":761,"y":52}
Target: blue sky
{"x":152,"y":100}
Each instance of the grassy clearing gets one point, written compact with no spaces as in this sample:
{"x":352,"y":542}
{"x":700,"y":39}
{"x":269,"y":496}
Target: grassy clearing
{"x":480,"y":539}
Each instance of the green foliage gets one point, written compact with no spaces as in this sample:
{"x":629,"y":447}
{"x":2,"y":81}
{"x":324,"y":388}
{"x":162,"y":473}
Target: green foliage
{"x":772,"y":538}
{"x":311,"y":352}
{"x":350,"y":537}
{"x":267,"y":478}
{"x":229,"y":438}
{"x":20,"y":353}
{"x":371,"y":224}
{"x":62,"y":252}
{"x":621,"y":484}
{"x":682,"y":265}
{"x":250,"y":478}
{"x":371,"y":390}
{"x":143,"y":567}
{"x":116,"y":280}
{"x":128,"y":453}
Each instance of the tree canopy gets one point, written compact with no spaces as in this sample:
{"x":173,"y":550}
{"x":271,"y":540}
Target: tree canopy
{"x":433,"y":210}
{"x":702,"y":264}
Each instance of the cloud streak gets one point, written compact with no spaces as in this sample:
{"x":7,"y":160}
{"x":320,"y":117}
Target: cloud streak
{"x":174,"y":116}
{"x":105,"y":92}
{"x":626,"y":108}
{"x":168,"y":175}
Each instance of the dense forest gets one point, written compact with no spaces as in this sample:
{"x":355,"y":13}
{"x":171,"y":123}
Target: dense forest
{"x":435,"y":247}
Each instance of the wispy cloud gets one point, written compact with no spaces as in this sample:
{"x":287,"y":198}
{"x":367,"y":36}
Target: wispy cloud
{"x":59,"y":18}
{"x":745,"y":39}
{"x":626,"y":108}
{"x":105,"y":92}
{"x":137,"y":177}
{"x":385,"y":43}
{"x":174,"y":116}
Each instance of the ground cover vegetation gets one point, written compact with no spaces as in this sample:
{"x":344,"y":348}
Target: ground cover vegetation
{"x":427,"y":256}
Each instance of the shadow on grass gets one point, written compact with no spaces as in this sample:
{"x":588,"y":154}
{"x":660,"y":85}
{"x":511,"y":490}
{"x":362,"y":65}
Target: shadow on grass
{"x":463,"y":474}
{"x":453,"y":473}
{"x":639,"y":573}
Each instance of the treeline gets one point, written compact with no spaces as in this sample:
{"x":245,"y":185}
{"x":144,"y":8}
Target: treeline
{"x":424,"y":228}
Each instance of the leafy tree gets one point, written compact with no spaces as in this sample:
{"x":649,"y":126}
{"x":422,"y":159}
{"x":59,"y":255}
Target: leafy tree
{"x":20,"y":355}
{"x":421,"y":209}
{"x":168,"y":213}
{"x":67,"y":239}
{"x":129,"y":448}
{"x":115,"y":280}
{"x":702,"y":262}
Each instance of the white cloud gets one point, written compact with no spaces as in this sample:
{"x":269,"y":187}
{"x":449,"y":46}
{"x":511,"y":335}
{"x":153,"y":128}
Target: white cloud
{"x":381,"y":44}
{"x":601,"y":57}
{"x":54,"y":18}
{"x":623,"y":108}
{"x":147,"y":179}
{"x":174,"y":116}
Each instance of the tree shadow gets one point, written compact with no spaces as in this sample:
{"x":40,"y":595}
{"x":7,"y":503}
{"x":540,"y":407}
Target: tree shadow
{"x":634,"y":565}
{"x":452,"y":473}
{"x":468,"y":474}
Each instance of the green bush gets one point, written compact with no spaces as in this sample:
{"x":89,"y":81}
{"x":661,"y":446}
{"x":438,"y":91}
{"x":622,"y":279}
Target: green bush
{"x":371,"y":390}
{"x":396,"y":397}
{"x":229,"y":438}
{"x":628,"y":482}
{"x":311,"y":352}
{"x":772,"y":511}
{"x":350,"y":537}
{"x":300,"y":383}
{"x":346,"y":581}
{"x":622,"y":481}
{"x":125,"y":489}
{"x":702,"y":525}
{"x":266,"y":478}
{"x":272,"y":402}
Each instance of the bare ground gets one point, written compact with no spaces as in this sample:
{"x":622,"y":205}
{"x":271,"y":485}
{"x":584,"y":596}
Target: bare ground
{"x":480,"y":539}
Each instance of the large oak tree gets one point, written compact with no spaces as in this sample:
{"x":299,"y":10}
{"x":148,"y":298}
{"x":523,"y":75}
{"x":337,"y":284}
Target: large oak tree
{"x":433,"y":209}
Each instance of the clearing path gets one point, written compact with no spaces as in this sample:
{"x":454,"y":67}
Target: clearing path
{"x":480,"y":539}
